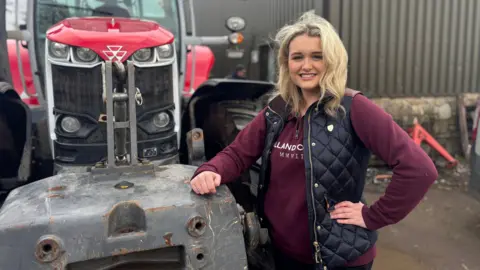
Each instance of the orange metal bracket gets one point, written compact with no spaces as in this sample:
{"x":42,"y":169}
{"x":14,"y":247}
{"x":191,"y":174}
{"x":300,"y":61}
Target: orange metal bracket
{"x":419,"y":134}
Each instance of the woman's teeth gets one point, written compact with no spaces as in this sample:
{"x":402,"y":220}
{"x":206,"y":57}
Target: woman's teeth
{"x":307,"y":75}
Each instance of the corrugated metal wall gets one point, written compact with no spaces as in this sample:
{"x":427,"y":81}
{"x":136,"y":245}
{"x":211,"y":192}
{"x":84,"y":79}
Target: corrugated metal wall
{"x":286,"y":11}
{"x":397,"y":48}
{"x":410,"y":47}
{"x":400,"y":48}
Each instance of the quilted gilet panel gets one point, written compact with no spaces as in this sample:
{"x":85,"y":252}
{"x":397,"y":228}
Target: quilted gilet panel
{"x":336,"y":172}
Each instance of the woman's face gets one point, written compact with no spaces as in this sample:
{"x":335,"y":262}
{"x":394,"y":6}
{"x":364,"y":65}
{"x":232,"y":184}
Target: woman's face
{"x":305,"y":62}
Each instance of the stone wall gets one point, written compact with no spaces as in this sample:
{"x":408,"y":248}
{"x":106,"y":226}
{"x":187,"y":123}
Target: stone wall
{"x":438,"y":115}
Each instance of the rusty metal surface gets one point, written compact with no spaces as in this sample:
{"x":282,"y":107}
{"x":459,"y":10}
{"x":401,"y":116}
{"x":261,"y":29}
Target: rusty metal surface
{"x":71,"y":218}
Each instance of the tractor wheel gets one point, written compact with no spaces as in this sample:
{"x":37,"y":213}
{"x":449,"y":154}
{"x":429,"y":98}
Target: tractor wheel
{"x":42,"y":154}
{"x":222,"y":125}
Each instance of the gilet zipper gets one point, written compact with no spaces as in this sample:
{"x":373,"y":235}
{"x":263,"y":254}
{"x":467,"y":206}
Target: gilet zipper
{"x":316,"y":246}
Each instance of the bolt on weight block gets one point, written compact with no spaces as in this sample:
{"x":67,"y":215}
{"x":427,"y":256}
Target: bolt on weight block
{"x":196,"y":147}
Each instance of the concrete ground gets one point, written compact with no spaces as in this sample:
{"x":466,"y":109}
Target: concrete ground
{"x":442,"y":233}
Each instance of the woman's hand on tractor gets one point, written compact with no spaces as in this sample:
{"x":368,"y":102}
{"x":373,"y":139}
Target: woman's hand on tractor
{"x":205,"y":182}
{"x":349,"y":213}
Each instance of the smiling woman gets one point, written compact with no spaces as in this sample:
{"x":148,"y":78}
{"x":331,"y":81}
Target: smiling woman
{"x":316,"y":56}
{"x":313,"y":208}
{"x":305,"y":64}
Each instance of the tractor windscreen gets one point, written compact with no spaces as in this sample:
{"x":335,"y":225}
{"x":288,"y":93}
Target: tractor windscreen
{"x":49,"y":12}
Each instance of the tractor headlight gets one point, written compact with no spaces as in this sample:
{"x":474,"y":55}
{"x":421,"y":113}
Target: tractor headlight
{"x":165,"y":51}
{"x":58,"y":50}
{"x":85,"y":54}
{"x":70,"y":124}
{"x":161,"y":120}
{"x":143,"y":55}
{"x":235,"y":24}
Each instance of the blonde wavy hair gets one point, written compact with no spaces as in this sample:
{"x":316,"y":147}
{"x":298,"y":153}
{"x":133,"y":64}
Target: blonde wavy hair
{"x":335,"y":57}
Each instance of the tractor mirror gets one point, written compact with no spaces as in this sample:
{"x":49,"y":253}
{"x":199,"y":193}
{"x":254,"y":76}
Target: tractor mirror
{"x":235,"y":24}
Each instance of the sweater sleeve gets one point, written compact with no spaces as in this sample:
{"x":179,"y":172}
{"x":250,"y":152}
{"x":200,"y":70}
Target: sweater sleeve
{"x":237,"y":157}
{"x":413,"y":170}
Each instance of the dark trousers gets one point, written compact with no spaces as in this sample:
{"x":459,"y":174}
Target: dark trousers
{"x":283,"y":262}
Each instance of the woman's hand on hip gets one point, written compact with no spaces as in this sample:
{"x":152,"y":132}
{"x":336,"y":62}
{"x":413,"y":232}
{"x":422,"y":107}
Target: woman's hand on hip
{"x":205,"y":182}
{"x":349,"y":213}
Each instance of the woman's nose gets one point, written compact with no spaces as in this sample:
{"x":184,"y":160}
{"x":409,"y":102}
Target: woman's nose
{"x":307,"y":64}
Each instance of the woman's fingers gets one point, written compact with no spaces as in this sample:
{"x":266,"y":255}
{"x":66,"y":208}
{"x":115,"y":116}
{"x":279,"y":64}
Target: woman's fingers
{"x":349,"y":213}
{"x":205,"y":182}
{"x":343,"y":215}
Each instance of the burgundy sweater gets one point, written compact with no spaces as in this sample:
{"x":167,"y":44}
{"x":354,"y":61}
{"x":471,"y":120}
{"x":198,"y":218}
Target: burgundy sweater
{"x":285,"y":201}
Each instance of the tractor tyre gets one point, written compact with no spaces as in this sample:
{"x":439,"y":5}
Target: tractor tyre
{"x":220,"y":129}
{"x":42,"y":153}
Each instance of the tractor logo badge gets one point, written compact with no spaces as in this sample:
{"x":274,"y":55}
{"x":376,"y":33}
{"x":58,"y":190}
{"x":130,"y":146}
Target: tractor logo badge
{"x":114,"y":52}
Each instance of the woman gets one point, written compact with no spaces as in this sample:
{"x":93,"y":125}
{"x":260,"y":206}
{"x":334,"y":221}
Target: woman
{"x":315,"y":140}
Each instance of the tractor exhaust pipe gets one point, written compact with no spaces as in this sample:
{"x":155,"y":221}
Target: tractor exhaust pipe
{"x":120,"y":103}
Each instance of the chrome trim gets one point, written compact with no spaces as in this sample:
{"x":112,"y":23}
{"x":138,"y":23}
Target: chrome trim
{"x":153,"y":64}
{"x":70,"y":64}
{"x":50,"y":102}
{"x":177,"y":95}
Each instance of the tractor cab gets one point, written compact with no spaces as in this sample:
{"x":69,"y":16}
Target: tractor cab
{"x":111,"y":8}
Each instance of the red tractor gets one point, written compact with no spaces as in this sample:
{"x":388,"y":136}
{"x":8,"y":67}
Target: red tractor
{"x":111,"y":79}
{"x":56,"y":73}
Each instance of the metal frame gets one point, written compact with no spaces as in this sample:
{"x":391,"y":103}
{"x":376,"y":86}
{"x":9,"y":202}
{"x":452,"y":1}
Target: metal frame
{"x":183,"y":49}
{"x":26,"y":35}
{"x":31,"y":45}
{"x":194,"y":33}
{"x":117,"y":142}
{"x":194,"y":40}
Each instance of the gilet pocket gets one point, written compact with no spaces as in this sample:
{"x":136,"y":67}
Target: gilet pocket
{"x":342,"y":243}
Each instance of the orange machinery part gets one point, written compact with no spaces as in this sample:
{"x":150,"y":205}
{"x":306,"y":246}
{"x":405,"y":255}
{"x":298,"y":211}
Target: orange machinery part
{"x":419,"y":134}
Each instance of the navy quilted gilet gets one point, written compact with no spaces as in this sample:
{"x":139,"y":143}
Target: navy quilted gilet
{"x":335,"y":166}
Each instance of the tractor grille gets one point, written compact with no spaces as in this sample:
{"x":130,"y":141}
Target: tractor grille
{"x":79,"y":90}
{"x":78,"y":93}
